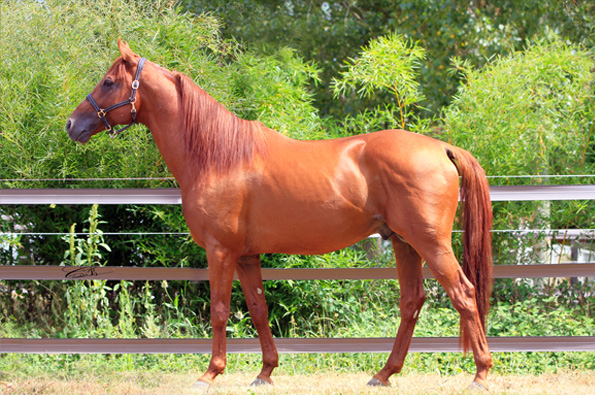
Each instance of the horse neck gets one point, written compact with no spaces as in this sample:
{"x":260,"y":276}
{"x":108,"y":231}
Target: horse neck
{"x":196,"y":135}
{"x":161,"y":114}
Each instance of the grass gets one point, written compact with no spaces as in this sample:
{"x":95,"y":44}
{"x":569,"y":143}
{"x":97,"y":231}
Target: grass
{"x":145,"y":383}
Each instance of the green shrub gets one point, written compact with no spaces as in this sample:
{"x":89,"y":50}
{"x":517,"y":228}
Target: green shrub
{"x":527,"y":113}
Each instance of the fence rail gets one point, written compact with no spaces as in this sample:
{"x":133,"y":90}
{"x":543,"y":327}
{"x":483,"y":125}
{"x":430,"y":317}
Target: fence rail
{"x":284,"y":345}
{"x":287,"y":345}
{"x":172,"y":195}
{"x":190,"y":274}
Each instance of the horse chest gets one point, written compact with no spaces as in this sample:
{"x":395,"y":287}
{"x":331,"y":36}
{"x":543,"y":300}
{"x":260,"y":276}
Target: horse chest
{"x":214,"y":214}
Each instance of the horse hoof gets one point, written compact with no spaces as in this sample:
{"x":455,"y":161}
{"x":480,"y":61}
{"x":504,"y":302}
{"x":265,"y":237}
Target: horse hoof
{"x":374,"y":382}
{"x":475,"y":386}
{"x":201,"y":385}
{"x":258,"y":382}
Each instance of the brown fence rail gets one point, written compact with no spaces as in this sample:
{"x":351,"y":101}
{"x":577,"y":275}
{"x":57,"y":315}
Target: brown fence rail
{"x":284,"y":345}
{"x":287,"y":345}
{"x":189,"y":274}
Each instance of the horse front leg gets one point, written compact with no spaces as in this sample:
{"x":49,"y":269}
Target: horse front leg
{"x":250,"y":275}
{"x":222,"y":266}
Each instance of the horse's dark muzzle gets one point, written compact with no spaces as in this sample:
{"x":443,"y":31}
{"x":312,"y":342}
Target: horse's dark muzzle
{"x":76,"y":133}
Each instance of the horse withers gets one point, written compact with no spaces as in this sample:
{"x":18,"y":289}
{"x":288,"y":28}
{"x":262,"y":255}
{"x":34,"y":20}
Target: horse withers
{"x":248,"y":190}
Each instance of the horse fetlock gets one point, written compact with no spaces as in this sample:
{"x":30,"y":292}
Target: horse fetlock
{"x":389,"y":369}
{"x":270,"y":363}
{"x":483,"y":367}
{"x":267,"y":370}
{"x":216,"y":366}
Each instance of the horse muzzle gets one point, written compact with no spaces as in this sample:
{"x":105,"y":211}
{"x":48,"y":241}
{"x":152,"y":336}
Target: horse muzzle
{"x":79,"y":130}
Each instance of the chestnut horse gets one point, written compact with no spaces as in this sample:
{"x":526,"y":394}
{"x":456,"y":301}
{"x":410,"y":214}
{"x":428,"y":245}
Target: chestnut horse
{"x":248,"y":190}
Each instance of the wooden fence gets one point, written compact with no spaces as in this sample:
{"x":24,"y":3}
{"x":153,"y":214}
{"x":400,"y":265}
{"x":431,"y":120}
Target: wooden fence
{"x":284,"y":345}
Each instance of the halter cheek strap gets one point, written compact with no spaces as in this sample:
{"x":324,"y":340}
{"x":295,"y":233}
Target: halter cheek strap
{"x":101,"y":113}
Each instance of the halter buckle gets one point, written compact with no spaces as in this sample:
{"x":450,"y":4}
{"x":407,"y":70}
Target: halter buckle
{"x":101,"y":113}
{"x":135,"y":84}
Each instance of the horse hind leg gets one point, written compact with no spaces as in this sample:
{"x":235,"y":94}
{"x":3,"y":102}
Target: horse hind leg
{"x":412,"y":298}
{"x":437,"y":252}
{"x":250,"y":275}
{"x":462,"y":294}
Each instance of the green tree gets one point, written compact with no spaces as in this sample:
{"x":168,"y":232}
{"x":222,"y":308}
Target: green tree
{"x":331,"y":32}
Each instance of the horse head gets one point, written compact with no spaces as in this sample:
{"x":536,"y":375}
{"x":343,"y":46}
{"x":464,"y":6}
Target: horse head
{"x":114,"y":101}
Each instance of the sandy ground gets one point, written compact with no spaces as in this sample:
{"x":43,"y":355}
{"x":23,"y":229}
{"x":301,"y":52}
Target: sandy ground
{"x":573,"y":383}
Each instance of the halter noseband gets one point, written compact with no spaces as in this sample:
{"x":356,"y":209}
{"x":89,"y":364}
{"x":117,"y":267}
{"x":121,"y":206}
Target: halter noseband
{"x":101,"y":113}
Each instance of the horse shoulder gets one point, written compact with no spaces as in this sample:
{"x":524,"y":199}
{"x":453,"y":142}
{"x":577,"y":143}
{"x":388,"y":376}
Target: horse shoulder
{"x":215,"y":209}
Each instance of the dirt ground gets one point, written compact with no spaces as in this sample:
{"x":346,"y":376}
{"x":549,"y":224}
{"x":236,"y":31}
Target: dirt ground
{"x":573,"y":383}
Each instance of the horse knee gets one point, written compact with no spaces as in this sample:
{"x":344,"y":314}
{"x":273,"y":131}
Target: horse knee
{"x":410,"y":306}
{"x":219,"y":315}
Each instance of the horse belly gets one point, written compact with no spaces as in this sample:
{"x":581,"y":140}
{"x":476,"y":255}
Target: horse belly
{"x":314,"y":220}
{"x":315,"y":232}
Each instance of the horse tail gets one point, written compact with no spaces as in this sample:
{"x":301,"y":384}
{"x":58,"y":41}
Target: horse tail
{"x":477,"y":223}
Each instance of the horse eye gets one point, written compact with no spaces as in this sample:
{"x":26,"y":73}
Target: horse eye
{"x":108,"y":83}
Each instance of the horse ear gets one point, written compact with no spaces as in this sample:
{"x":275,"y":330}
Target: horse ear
{"x":127,"y":54}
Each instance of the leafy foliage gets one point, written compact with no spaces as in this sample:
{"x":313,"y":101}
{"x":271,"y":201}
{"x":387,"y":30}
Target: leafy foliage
{"x":527,"y":113}
{"x":331,"y":32}
{"x":388,"y":64}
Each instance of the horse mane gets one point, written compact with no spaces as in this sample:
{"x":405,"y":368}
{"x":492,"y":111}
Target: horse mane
{"x":215,"y":138}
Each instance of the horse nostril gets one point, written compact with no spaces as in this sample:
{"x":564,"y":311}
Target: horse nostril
{"x":68,"y":125}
